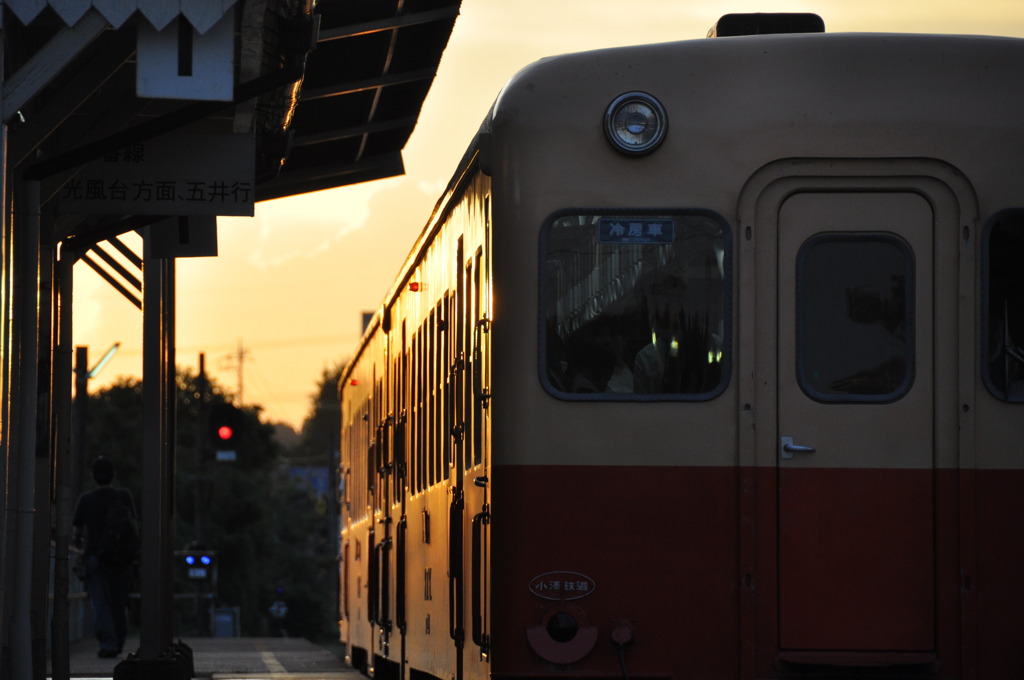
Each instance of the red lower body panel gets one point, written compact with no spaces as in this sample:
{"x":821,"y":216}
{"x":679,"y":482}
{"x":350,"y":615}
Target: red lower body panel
{"x":659,"y":545}
{"x":718,"y":573}
{"x":997,"y":587}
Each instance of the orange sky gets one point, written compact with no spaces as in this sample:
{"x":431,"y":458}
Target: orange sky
{"x":290,"y":283}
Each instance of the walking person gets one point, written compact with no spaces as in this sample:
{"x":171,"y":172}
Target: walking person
{"x":106,"y":518}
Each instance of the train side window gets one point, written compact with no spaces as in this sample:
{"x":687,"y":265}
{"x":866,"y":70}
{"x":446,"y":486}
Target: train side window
{"x":1003,"y":307}
{"x":432,"y":380}
{"x":420,"y":406}
{"x":855,"y":331}
{"x":635,"y":305}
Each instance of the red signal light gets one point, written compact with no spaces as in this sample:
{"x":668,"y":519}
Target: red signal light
{"x":224,"y":432}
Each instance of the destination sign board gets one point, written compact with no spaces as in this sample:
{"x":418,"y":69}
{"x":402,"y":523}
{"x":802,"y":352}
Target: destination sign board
{"x":174,"y":174}
{"x":660,"y":230}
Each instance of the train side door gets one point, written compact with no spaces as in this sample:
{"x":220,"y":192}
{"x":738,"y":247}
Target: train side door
{"x":400,"y":477}
{"x":475,"y":465}
{"x":856,"y":437}
{"x":471,"y":518}
{"x":381,"y":558}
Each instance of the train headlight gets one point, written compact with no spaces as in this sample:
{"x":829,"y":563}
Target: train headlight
{"x":564,"y":636}
{"x":635,"y":123}
{"x":562,"y":627}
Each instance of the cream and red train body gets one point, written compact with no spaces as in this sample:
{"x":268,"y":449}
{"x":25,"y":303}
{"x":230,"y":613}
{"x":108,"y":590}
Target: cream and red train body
{"x":820,"y":255}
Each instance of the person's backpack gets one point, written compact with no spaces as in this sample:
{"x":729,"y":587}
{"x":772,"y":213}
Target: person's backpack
{"x":119,"y":543}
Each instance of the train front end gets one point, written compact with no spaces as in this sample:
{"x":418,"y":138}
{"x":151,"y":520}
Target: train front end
{"x":737,"y":287}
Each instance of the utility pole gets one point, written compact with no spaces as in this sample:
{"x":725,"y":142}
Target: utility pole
{"x":201,"y":420}
{"x":236,"y":360}
{"x":240,"y":358}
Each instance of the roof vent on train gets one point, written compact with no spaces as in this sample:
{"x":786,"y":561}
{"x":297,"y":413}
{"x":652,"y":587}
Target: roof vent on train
{"x":762,"y":23}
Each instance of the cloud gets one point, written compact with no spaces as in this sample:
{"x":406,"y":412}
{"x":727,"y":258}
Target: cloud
{"x":300,"y":230}
{"x":395,"y":217}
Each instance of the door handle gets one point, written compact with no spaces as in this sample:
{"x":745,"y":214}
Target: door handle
{"x":787,"y":448}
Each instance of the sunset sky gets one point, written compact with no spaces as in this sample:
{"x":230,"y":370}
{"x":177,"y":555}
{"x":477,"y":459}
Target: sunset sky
{"x":290,"y":284}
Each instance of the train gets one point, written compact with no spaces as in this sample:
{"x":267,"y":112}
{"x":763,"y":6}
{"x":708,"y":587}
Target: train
{"x":708,"y":363}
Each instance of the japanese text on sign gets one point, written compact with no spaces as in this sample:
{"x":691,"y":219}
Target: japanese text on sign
{"x":636,"y":230}
{"x":173,"y":191}
{"x":178,"y":174}
{"x":561,"y":585}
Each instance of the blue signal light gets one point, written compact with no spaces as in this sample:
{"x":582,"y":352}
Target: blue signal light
{"x":205,"y":559}
{"x":190,"y":559}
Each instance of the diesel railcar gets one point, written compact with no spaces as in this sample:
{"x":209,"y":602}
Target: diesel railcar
{"x":708,"y":364}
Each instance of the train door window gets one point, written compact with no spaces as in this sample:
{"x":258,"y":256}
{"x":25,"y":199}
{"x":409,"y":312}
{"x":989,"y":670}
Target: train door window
{"x":431,"y":358}
{"x":635,"y":305}
{"x":417,"y":415}
{"x":401,"y":465}
{"x":440,"y":374}
{"x":1003,"y":307}
{"x":457,"y":393}
{"x":854,"y":317}
{"x":413,"y":413}
{"x":421,"y":406}
{"x":371,"y":471}
{"x":478,"y":329}
{"x":356,"y":475}
{"x":466,"y":355}
{"x":451,"y":349}
{"x":359,"y":474}
{"x":381,"y":449}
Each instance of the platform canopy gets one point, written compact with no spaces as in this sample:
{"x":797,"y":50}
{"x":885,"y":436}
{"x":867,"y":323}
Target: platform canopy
{"x":364,"y":86}
{"x":202,"y":14}
{"x":331,"y":89}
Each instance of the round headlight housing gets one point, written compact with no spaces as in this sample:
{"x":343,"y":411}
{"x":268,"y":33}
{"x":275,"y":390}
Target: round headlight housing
{"x":635,"y":123}
{"x":562,"y":627}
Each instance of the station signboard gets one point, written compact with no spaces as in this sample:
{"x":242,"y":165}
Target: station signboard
{"x":174,"y":174}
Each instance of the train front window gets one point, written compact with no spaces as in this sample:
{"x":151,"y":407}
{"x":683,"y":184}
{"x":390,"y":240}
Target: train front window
{"x":854,"y":317}
{"x":634,"y":305}
{"x":1003,"y":329}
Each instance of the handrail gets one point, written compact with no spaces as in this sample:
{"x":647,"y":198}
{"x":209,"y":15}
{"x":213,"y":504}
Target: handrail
{"x":455,"y":629}
{"x":480,"y":520}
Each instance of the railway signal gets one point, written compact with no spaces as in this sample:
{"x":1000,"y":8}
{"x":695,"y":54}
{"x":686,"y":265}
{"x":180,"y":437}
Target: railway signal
{"x":224,"y":431}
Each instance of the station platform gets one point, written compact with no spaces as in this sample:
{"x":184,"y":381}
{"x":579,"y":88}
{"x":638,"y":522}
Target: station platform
{"x":232,"y":659}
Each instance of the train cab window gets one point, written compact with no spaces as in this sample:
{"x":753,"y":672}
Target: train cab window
{"x":854,"y":317}
{"x":1003,"y":307}
{"x":634,"y":306}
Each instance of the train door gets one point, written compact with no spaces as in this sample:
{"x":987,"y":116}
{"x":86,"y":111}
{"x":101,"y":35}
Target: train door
{"x":381,"y":562}
{"x":400,"y":482}
{"x":474,"y":463}
{"x":856,"y":541}
{"x":471,"y":514}
{"x":454,"y":443}
{"x":855,"y":285}
{"x":387,"y":558}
